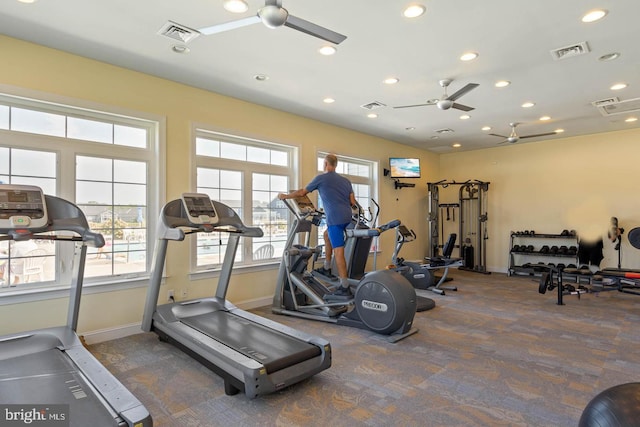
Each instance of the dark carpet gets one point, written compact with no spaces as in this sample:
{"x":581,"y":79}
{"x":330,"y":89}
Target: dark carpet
{"x":494,"y":353}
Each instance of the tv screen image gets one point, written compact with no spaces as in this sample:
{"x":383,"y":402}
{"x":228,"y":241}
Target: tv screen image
{"x":402,"y":167}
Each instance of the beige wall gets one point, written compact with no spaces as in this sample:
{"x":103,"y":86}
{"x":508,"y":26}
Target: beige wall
{"x":49,"y":73}
{"x":565,"y":183}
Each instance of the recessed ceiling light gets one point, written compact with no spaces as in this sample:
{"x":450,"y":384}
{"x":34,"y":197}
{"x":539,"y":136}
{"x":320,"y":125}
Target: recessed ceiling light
{"x":469,"y":56}
{"x":27,"y":1}
{"x":414,"y":10}
{"x":261,"y":77}
{"x":559,"y":130}
{"x":328,"y":100}
{"x":180,"y":48}
{"x":594,"y":15}
{"x":457,"y":145}
{"x":235,"y":6}
{"x":486,"y":128}
{"x":618,"y":86}
{"x":391,"y":80}
{"x":465,"y":117}
{"x":502,"y":83}
{"x":545,"y":118}
{"x":410,"y":128}
{"x":631,"y":119}
{"x":609,"y":56}
{"x":528,"y":104}
{"x":327,"y":50}
{"x":372,"y":115}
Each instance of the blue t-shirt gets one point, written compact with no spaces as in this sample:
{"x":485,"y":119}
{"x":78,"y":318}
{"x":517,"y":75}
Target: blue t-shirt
{"x":334,"y":191}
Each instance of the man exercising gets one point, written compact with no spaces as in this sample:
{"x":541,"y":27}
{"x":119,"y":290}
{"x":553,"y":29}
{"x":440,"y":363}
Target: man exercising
{"x":338,"y":198}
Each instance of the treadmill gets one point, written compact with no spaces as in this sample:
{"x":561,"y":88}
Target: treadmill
{"x":48,"y":372}
{"x":250,"y":353}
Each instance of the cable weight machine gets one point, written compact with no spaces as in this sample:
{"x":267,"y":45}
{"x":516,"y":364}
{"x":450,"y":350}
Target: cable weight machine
{"x":472,"y":221}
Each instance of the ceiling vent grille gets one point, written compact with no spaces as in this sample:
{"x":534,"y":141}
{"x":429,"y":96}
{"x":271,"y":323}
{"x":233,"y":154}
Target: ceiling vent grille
{"x":373,"y":105}
{"x":178,"y":32}
{"x":570,"y":51}
{"x":622,"y":107}
{"x":607,"y":101}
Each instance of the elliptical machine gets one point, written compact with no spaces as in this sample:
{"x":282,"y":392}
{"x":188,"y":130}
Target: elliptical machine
{"x":420,"y":274}
{"x":384,"y":301}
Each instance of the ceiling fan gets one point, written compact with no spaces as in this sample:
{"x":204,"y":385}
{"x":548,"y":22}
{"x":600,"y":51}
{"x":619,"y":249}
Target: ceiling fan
{"x":273,"y":15}
{"x":514,"y":137}
{"x":447,"y":101}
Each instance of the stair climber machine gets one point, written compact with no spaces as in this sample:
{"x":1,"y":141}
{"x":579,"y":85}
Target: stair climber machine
{"x":421,"y":274}
{"x":47,"y":376}
{"x":384,"y":301}
{"x":251,"y":353}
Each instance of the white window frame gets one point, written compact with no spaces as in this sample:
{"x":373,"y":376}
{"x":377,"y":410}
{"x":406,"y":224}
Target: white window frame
{"x":245,"y":259}
{"x":66,"y":150}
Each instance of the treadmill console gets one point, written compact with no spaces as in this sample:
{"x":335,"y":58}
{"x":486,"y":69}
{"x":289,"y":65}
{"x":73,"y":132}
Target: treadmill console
{"x":199,"y":208}
{"x":22,"y":207}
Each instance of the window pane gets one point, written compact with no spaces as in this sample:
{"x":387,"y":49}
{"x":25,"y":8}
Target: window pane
{"x":4,"y":117}
{"x":231,"y":198}
{"x":37,"y":122}
{"x":129,"y":171}
{"x":208,"y":177}
{"x":279,"y":183}
{"x":93,"y":168}
{"x":279,"y":158}
{"x":4,"y":161}
{"x":207,"y":147}
{"x":89,"y":130}
{"x":233,"y":151}
{"x":230,"y":179}
{"x":94,"y":193}
{"x":33,"y":163}
{"x":129,"y":136}
{"x":258,"y":155}
{"x":260,"y":181}
{"x":129,"y":194}
{"x":48,"y":185}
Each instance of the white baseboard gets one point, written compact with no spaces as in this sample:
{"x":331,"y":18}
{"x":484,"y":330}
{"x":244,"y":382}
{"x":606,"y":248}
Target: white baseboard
{"x":95,"y":337}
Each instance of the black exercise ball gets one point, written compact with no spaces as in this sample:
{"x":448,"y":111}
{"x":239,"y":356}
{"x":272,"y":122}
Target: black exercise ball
{"x":618,"y":406}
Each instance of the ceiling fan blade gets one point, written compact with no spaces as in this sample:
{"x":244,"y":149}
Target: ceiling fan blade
{"x":500,"y":136}
{"x":314,"y":30}
{"x":462,"y":107}
{"x":416,"y":105}
{"x":462,"y":91}
{"x":538,"y":134}
{"x":219,"y":28}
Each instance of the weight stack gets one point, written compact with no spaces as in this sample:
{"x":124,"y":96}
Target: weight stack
{"x":468,"y":256}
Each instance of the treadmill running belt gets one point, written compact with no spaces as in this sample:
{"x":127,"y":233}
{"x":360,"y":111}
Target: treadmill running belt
{"x":273,"y":349}
{"x":50,"y":377}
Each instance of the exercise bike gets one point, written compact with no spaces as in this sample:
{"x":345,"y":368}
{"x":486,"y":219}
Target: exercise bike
{"x":420,"y":275}
{"x":384,"y":301}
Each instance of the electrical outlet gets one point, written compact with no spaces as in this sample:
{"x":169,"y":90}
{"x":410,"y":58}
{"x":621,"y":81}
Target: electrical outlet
{"x":184,"y":293}
{"x":170,"y":295}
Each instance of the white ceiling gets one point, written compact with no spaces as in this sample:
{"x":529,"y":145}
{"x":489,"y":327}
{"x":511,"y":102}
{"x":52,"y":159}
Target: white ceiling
{"x":512,"y":37}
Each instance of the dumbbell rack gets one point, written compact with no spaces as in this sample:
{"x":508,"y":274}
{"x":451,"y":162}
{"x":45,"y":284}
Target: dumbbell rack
{"x":525,"y":252}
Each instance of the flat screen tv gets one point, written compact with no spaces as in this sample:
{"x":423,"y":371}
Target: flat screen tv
{"x":403,"y":167}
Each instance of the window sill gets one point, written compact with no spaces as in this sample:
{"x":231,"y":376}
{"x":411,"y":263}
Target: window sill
{"x":17,"y":295}
{"x":238,"y":269}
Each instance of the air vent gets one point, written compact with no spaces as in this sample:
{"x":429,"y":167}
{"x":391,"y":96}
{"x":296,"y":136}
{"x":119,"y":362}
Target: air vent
{"x":373,"y":105}
{"x":607,"y":101}
{"x":622,"y":107}
{"x":445,"y":130}
{"x":178,"y":32}
{"x":570,"y":51}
